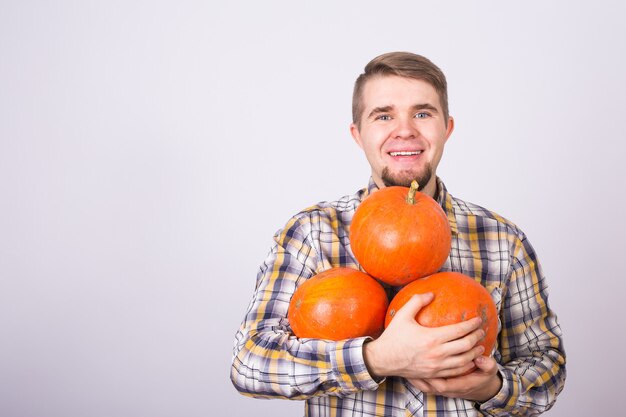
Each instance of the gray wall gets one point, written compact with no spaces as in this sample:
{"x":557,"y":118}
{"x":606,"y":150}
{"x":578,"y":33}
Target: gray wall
{"x":150,"y":149}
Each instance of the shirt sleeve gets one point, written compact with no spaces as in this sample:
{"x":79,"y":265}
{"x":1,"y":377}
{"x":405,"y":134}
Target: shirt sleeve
{"x":268,"y":360}
{"x":530,"y":353}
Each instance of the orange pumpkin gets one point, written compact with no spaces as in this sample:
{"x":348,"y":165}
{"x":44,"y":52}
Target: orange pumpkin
{"x":400,"y":234}
{"x":457,"y":298}
{"x":337,"y":304}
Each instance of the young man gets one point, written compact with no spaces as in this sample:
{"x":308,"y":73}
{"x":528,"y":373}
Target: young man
{"x":401,"y":121}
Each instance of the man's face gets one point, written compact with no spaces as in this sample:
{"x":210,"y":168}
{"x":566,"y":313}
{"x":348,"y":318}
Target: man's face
{"x":402,"y":131}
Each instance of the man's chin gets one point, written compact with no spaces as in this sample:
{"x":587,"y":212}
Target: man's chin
{"x":404,"y":179}
{"x":402,"y":182}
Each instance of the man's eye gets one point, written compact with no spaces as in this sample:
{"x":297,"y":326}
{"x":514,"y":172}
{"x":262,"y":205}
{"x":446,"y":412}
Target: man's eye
{"x":422,"y":115}
{"x":383,"y":117}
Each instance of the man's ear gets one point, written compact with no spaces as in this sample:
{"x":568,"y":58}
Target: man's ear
{"x":450,"y":127}
{"x":356,"y":135}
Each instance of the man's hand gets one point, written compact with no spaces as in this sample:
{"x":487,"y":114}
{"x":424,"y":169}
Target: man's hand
{"x":419,"y":353}
{"x":481,"y":385}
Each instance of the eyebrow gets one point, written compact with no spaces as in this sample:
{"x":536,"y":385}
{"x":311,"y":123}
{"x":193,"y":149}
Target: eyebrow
{"x":425,"y":106}
{"x":387,"y":109}
{"x":378,"y":110}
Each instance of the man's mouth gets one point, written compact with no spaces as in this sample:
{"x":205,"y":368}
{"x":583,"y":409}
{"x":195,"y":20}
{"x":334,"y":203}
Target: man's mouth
{"x":405,"y":153}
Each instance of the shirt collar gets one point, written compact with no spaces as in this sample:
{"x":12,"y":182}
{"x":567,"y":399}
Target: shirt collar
{"x":442,"y":197}
{"x":371,"y":187}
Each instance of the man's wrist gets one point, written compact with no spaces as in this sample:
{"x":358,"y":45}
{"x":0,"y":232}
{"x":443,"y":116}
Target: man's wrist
{"x":370,"y":357}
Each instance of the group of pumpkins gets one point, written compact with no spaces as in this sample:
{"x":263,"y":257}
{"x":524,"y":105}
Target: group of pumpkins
{"x":401,"y":237}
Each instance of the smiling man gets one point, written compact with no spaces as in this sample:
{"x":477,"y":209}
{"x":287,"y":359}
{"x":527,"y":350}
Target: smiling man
{"x":402,"y":128}
{"x":401,"y":122}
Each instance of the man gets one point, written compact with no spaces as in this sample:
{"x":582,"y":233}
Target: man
{"x":401,"y":121}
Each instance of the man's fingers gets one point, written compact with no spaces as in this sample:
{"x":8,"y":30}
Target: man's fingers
{"x":457,"y":371}
{"x":413,"y":306}
{"x":486,"y":364}
{"x":461,"y":363}
{"x":463,"y":344}
{"x":421,"y":385}
{"x":462,"y":329}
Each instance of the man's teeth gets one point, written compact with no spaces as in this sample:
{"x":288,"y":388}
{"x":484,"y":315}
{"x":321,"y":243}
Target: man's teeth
{"x":405,"y":153}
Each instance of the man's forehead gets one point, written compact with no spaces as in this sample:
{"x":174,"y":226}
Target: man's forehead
{"x":389,"y":90}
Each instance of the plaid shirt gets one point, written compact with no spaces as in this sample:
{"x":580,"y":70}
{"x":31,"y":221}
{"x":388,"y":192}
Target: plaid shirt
{"x":270,"y":362}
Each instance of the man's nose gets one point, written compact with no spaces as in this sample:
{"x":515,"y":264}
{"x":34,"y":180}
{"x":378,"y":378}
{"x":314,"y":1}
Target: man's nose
{"x":405,"y":128}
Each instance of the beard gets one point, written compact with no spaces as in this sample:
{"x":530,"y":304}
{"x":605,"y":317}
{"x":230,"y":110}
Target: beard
{"x":404,"y":178}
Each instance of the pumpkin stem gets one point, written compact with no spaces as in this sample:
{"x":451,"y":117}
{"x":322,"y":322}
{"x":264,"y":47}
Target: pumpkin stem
{"x":411,"y":197}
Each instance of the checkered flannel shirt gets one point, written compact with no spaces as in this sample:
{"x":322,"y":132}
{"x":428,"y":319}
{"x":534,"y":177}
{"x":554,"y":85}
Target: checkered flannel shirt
{"x":270,"y":362}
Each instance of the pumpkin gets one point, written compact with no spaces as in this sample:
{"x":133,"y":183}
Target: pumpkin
{"x":457,"y":298}
{"x":336,"y":304}
{"x":399,"y":234}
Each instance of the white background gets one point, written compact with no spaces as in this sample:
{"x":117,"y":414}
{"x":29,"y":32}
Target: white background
{"x":150,"y":149}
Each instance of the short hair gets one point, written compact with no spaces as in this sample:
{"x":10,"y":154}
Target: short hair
{"x":402,"y":64}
